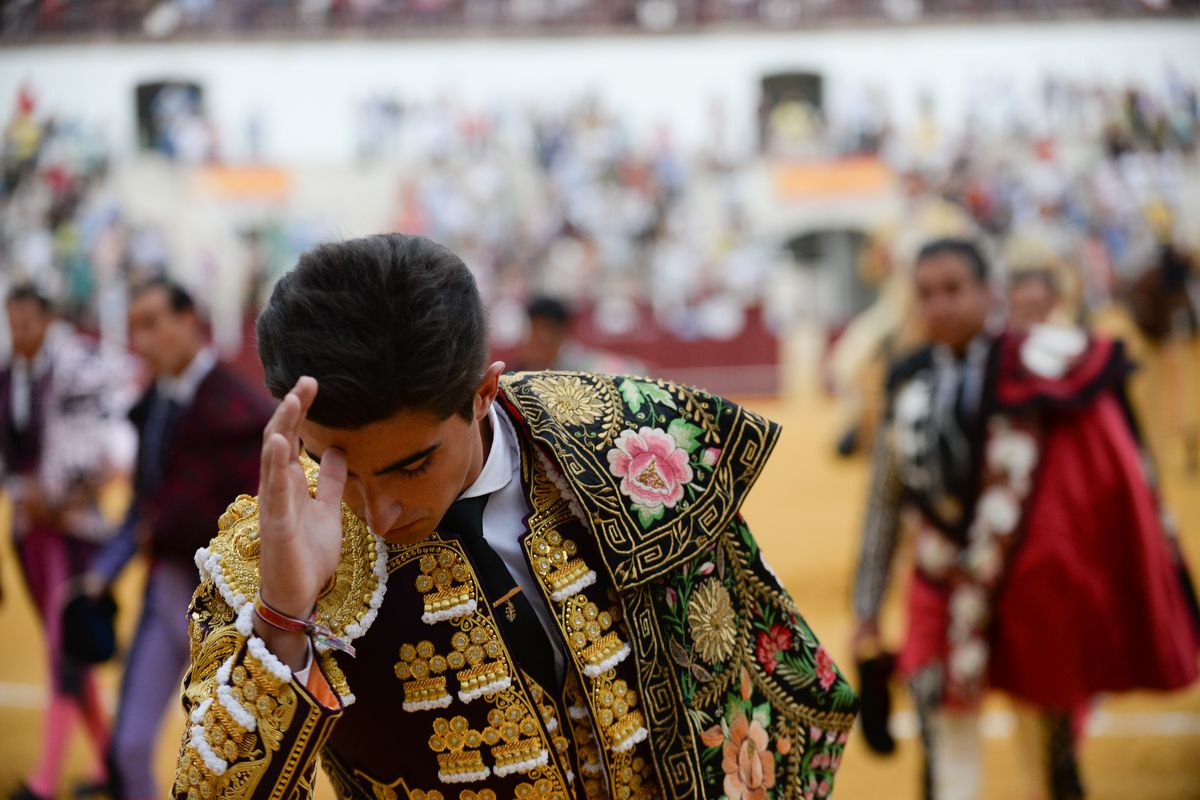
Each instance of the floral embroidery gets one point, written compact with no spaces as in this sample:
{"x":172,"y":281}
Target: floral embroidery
{"x":749,"y":766}
{"x":770,"y":644}
{"x":668,"y":457}
{"x":569,"y":400}
{"x":712,"y":622}
{"x":653,"y":469}
{"x":826,"y":674}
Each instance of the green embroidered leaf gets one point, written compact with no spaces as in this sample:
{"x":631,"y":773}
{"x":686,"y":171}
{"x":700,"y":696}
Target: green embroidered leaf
{"x":647,"y":516}
{"x":843,"y":695}
{"x":748,"y":538}
{"x":762,"y":713}
{"x":685,"y":434}
{"x":793,"y":677}
{"x":657,"y":394}
{"x":631,"y":395}
{"x":767,"y":618}
{"x":801,"y":662}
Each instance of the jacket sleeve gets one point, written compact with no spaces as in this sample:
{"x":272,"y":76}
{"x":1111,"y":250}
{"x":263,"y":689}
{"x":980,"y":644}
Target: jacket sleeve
{"x":880,"y":530}
{"x":253,"y":730}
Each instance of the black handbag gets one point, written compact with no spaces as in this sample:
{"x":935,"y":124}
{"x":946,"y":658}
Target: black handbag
{"x":88,"y":628}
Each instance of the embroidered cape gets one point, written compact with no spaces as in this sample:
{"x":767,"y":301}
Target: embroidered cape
{"x":689,"y":671}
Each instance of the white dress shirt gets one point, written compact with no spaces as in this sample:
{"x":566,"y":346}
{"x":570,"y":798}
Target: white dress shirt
{"x":182,"y":387}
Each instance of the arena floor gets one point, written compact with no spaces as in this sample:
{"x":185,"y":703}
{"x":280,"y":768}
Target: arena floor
{"x":806,"y":511}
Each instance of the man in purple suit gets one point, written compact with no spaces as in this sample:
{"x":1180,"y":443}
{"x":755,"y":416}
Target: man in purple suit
{"x":199,"y":435}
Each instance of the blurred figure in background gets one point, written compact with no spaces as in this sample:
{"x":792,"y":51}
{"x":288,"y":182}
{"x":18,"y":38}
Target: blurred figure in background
{"x":1032,"y":297}
{"x":60,"y":438}
{"x":1042,"y":566}
{"x":199,"y":434}
{"x":549,"y":344}
{"x":1165,"y":303}
{"x":549,"y":332}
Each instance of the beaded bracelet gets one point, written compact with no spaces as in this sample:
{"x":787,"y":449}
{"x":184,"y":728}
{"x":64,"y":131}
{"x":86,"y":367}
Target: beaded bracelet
{"x":320,"y":634}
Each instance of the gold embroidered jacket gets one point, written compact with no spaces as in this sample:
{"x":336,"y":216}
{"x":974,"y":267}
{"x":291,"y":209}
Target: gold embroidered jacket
{"x":689,"y":672}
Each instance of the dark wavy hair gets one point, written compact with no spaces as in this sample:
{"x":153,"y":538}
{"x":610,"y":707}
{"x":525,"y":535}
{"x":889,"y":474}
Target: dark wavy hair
{"x":385,"y":324}
{"x":965,"y":249}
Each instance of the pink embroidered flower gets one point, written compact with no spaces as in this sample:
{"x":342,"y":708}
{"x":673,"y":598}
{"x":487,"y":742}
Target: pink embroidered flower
{"x":671,"y":598}
{"x":709,"y":456}
{"x":749,"y":766}
{"x":769,"y":643}
{"x":652,"y":466}
{"x":825,"y":671}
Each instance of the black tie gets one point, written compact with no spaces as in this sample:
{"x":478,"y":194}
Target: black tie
{"x":519,"y":625}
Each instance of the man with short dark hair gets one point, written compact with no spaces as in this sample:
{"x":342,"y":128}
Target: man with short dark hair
{"x":549,"y":332}
{"x":493,"y":586}
{"x":198,"y":440}
{"x":1042,"y":568}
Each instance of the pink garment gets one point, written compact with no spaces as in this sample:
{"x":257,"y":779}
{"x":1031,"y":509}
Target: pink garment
{"x":49,"y":560}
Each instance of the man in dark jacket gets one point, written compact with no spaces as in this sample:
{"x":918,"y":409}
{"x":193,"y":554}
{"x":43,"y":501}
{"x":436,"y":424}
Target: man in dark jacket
{"x":198,"y":444}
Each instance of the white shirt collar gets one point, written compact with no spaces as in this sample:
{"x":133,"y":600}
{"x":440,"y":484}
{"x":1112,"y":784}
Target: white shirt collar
{"x":497,"y":469}
{"x":43,"y":360}
{"x":182,"y":387}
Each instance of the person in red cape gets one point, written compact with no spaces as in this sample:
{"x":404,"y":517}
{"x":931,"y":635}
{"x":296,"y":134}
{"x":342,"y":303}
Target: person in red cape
{"x":1043,"y":567}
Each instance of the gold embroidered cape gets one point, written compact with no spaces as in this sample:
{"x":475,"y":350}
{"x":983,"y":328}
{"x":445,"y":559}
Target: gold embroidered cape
{"x":689,"y":672}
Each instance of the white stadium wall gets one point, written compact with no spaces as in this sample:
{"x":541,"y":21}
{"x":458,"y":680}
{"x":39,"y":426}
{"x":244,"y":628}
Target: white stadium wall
{"x":305,"y":92}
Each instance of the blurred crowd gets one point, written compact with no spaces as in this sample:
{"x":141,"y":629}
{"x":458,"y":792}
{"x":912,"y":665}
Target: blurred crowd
{"x":1088,"y":181}
{"x":157,"y":18}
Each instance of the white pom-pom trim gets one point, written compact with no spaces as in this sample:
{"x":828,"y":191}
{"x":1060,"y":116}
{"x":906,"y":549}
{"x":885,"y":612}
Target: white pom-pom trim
{"x":199,"y":711}
{"x":491,"y":688}
{"x":381,"y":576}
{"x":577,"y":712}
{"x":596,"y":670}
{"x":211,"y":568}
{"x":427,"y":705}
{"x":215,"y":764}
{"x":465,"y":777}
{"x":245,"y":620}
{"x":236,"y":710}
{"x":460,"y":610}
{"x":626,"y":744}
{"x":592,"y":768}
{"x":552,"y":725}
{"x":528,"y":765}
{"x":209,"y":565}
{"x":564,"y":488}
{"x":258,"y":649}
{"x":575,"y":588}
